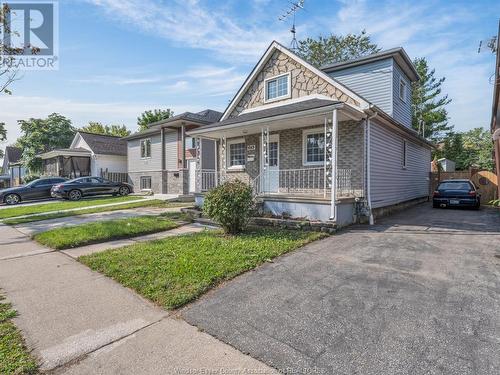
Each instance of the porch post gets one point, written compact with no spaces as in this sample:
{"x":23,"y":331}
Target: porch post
{"x":334,"y":130}
{"x":265,"y":159}
{"x":198,"y":173}
{"x":223,"y":158}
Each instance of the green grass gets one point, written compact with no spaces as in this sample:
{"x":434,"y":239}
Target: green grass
{"x":61,"y":205}
{"x":146,"y":203}
{"x":103,"y":231}
{"x":176,"y":270}
{"x":14,"y":357}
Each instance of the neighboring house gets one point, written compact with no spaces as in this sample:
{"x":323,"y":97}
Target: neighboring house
{"x":495,"y":115}
{"x":322,"y":143}
{"x":12,"y":166}
{"x":446,"y":165}
{"x":161,"y":158}
{"x":89,"y":155}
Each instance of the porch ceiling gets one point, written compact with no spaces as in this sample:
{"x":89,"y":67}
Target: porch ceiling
{"x":289,"y":121}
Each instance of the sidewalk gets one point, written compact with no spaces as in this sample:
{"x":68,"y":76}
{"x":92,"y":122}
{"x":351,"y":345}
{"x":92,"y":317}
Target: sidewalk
{"x":80,"y":322}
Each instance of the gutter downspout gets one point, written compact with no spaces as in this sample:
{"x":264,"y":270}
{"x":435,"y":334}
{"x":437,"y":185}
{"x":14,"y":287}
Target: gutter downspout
{"x":368,"y":165}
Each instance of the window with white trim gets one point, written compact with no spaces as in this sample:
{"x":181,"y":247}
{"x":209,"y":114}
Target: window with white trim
{"x":236,"y":154}
{"x":145,"y":182}
{"x":278,"y":87}
{"x":146,"y":148}
{"x":402,"y":90}
{"x":313,"y":147}
{"x":405,"y":153}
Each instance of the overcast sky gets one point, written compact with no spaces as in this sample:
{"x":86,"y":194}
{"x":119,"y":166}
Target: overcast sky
{"x":121,"y":57}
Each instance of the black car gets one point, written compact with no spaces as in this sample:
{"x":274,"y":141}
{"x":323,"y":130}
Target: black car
{"x":456,"y":193}
{"x":36,"y":189}
{"x":87,"y":186}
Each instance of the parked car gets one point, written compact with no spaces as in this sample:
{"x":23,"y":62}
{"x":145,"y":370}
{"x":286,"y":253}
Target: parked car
{"x":87,"y":186}
{"x":456,"y":193}
{"x":36,"y":189}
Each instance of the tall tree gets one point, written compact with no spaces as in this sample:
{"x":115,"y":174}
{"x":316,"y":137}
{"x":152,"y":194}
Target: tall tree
{"x":335,"y":48}
{"x":470,"y":148}
{"x":41,"y":135}
{"x":3,"y":136}
{"x":98,"y":128}
{"x":148,"y":117}
{"x":429,"y":104}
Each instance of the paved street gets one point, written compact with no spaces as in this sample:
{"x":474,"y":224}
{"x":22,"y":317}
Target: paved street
{"x":418,"y":293}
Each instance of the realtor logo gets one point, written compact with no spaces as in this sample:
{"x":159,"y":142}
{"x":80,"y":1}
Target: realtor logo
{"x":29,"y":33}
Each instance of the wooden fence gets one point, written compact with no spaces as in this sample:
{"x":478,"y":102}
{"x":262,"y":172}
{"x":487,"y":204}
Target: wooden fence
{"x":485,"y":181}
{"x":114,"y":176}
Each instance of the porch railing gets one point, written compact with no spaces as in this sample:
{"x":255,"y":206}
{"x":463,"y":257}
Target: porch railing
{"x":305,"y":181}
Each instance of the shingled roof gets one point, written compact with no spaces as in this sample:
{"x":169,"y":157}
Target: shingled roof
{"x":13,"y":154}
{"x":105,"y":144}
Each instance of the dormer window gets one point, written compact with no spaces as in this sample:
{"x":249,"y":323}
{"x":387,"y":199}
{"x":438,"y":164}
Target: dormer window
{"x":402,"y":90}
{"x":277,"y":87}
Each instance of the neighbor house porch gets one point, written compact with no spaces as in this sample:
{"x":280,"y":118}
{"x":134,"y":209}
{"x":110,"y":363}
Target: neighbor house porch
{"x":69,"y":163}
{"x":308,"y":162}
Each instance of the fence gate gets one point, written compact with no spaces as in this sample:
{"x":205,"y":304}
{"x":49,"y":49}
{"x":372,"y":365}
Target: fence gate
{"x":485,"y":181}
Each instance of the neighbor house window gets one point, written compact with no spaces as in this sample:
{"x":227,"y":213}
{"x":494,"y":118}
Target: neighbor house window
{"x":146,"y":183}
{"x":278,"y":87}
{"x":190,"y":143}
{"x":402,"y":90}
{"x":237,"y":154}
{"x":146,"y":148}
{"x":405,"y":153}
{"x":313,"y":147}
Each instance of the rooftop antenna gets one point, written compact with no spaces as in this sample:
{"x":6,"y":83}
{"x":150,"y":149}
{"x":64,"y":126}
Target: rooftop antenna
{"x":294,"y":7}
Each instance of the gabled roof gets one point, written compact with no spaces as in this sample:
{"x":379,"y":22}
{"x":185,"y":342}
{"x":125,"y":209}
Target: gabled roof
{"x":398,"y":54}
{"x":256,"y":70}
{"x":205,"y":117}
{"x":105,"y":144}
{"x":13,"y":154}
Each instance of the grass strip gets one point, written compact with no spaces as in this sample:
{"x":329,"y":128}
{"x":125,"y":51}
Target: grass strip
{"x":62,"y":205}
{"x":108,"y":230}
{"x":14,"y":357}
{"x":174,"y":271}
{"x":146,"y":203}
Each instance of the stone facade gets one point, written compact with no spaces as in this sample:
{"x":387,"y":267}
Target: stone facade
{"x":303,"y":82}
{"x":134,"y":178}
{"x":162,"y":182}
{"x":350,"y":153}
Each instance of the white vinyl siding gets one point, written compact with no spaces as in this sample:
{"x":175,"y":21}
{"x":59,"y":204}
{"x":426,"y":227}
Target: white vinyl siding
{"x":391,"y":184}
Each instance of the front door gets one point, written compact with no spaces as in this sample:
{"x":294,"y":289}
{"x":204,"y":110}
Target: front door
{"x":272,"y":174}
{"x":192,"y":175}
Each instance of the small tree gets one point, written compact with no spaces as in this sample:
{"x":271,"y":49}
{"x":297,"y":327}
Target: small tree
{"x":230,"y":205}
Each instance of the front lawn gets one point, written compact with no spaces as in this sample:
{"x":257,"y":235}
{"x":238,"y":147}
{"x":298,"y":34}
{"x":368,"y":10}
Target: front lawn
{"x":176,"y":270}
{"x":14,"y":357}
{"x":109,"y":230}
{"x":125,"y":206}
{"x":61,"y":205}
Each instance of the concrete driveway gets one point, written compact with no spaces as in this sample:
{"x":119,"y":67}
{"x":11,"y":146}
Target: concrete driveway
{"x":418,"y":293}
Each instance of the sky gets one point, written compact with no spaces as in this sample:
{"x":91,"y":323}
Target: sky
{"x":121,"y":57}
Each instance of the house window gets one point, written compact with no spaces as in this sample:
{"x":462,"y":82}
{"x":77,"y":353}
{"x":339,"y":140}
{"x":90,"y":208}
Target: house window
{"x":146,"y":148}
{"x":402,"y":90}
{"x":278,"y":87}
{"x":405,"y":153}
{"x":314,"y":147}
{"x":145,"y":182}
{"x":237,"y":153}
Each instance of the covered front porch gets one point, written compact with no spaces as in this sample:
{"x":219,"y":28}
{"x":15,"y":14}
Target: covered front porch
{"x":68,"y":163}
{"x":309,"y":161}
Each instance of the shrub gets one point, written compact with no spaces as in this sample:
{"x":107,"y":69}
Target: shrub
{"x":30,"y":177}
{"x":495,"y":203}
{"x":230,"y":205}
